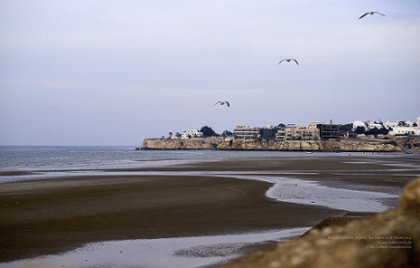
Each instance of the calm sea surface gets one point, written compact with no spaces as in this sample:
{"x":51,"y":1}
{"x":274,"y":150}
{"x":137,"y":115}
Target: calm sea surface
{"x":17,"y":158}
{"x":56,"y":158}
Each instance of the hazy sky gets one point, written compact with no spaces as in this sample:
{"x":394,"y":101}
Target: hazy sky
{"x":115,"y":72}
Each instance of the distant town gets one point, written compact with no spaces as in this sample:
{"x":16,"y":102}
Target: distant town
{"x":312,"y":132}
{"x":359,"y":136}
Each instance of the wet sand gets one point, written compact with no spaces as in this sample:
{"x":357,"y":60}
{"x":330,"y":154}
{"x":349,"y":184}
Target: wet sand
{"x":52,"y":216}
{"x":55,"y":215}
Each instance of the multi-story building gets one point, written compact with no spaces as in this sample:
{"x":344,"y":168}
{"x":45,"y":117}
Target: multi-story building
{"x":269,"y":132}
{"x":292,"y":132}
{"x":247,"y":132}
{"x":281,"y":134}
{"x":329,"y":131}
{"x":315,"y":124}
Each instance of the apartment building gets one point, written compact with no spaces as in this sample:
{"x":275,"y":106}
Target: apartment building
{"x":247,"y":132}
{"x":329,"y":131}
{"x":292,"y":132}
{"x":269,"y":132}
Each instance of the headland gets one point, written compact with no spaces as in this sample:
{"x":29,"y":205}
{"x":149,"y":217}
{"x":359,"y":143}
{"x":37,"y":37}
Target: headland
{"x":331,"y":145}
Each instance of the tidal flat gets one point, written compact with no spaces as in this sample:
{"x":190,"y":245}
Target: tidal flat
{"x":228,"y":197}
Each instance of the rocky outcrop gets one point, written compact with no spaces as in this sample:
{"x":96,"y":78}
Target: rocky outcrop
{"x":182,"y":144}
{"x":354,"y":145}
{"x":346,"y":145}
{"x":408,"y":144}
{"x":270,"y":145}
{"x":389,"y":239}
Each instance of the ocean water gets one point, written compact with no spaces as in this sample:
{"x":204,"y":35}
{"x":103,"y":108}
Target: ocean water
{"x":24,"y":158}
{"x":56,"y":158}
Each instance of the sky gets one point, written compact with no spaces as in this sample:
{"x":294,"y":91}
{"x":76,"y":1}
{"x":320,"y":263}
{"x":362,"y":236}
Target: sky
{"x":99,"y":72}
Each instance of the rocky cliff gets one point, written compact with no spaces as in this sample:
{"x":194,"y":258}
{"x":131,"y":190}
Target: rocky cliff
{"x":181,"y":144}
{"x":325,"y":146}
{"x":389,"y":239}
{"x":220,"y":144}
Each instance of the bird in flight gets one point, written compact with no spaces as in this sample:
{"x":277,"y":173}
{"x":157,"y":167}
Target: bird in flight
{"x":288,"y":60}
{"x":222,"y":103}
{"x":371,"y":13}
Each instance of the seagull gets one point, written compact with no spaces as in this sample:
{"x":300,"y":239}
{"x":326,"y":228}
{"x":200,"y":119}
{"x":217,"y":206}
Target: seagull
{"x":371,"y":13}
{"x":288,"y":60}
{"x":222,"y":103}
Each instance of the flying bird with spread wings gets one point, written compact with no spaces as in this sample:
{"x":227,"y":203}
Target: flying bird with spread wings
{"x":371,"y":13}
{"x":288,"y":60}
{"x":222,"y":103}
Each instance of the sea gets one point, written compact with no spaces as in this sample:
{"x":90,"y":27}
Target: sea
{"x":50,"y":158}
{"x":67,"y":158}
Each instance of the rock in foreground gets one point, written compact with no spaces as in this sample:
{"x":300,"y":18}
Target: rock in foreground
{"x":389,"y":239}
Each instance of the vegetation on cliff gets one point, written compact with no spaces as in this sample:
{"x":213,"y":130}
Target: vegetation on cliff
{"x":208,"y":132}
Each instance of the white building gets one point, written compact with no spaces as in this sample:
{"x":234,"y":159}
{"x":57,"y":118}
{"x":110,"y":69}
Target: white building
{"x":389,"y":125}
{"x":357,"y":124}
{"x":409,"y":128}
{"x":191,"y":134}
{"x":372,"y":125}
{"x":392,"y":125}
{"x":367,"y":125}
{"x":403,"y":131}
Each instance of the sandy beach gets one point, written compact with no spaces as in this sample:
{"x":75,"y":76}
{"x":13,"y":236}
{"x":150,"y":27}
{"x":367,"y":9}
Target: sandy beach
{"x":48,"y":217}
{"x":40,"y":217}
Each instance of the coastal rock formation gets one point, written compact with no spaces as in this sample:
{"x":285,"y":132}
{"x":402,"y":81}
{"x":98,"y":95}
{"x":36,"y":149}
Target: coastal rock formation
{"x":409,"y":144}
{"x":358,"y":146}
{"x":271,"y":145}
{"x":351,"y":145}
{"x":182,"y":144}
{"x":389,"y":239}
